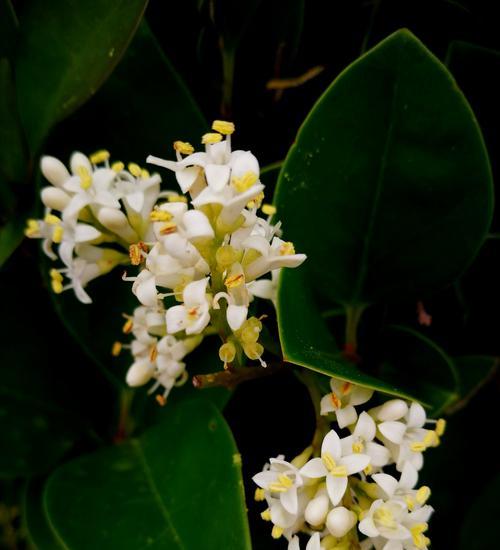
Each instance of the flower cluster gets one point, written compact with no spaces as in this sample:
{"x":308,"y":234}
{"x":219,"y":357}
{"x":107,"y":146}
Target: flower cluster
{"x":338,"y":492}
{"x":198,"y":267}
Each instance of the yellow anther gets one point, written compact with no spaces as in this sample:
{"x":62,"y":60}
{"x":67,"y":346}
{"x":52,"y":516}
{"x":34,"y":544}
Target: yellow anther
{"x":177,"y":198}
{"x":135,"y":253}
{"x":245,"y":182}
{"x":168,"y":228}
{"x":225,"y":256}
{"x":227,"y":352}
{"x":336,"y":402}
{"x":57,"y":234}
{"x":85,"y":177}
{"x":431,"y":439}
{"x":153,"y":354}
{"x":277,"y":532}
{"x":116,"y":349}
{"x":277,"y":488}
{"x":192,"y":313}
{"x":266,"y":514}
{"x":423,"y":494}
{"x":417,"y":535}
{"x":134,"y":169}
{"x":259,"y":495}
{"x":128,"y":326}
{"x":285,"y":481}
{"x":328,"y":461}
{"x":32,"y":228}
{"x":287,"y":249}
{"x":211,"y":138}
{"x":440,"y":427}
{"x":346,"y":386}
{"x":56,"y":281}
{"x":269,"y":209}
{"x":118,"y":166}
{"x":223,"y":127}
{"x":368,"y":470}
{"x":234,"y":281}
{"x":144,"y":174}
{"x":253,"y":350}
{"x":410,"y":503}
{"x":358,"y":447}
{"x":51,"y":219}
{"x":418,"y":446}
{"x":385,"y":517}
{"x":99,"y":156}
{"x":256,"y":201}
{"x":183,"y":147}
{"x":161,"y":400}
{"x":160,"y":215}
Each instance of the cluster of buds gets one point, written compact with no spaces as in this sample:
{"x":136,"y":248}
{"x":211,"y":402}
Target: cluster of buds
{"x":339,"y":493}
{"x":202,"y":256}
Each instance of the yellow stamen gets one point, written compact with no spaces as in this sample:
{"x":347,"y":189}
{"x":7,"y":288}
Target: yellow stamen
{"x":440,"y":427}
{"x":431,"y":439}
{"x":418,"y":446}
{"x":134,"y":169}
{"x":128,"y":326}
{"x":385,"y":517}
{"x":144,"y":174}
{"x":234,"y":281}
{"x":358,"y":447}
{"x":337,"y":404}
{"x":331,"y":466}
{"x":56,"y":281}
{"x":85,"y":177}
{"x":409,"y":502}
{"x":153,"y":354}
{"x":135,"y":253}
{"x":417,"y":535}
{"x":259,"y":495}
{"x":245,"y":182}
{"x":168,"y":228}
{"x":285,"y":481}
{"x":51,"y":219}
{"x":57,"y":234}
{"x":269,"y":209}
{"x":346,"y":386}
{"x":368,"y":470}
{"x":161,"y":400}
{"x":223,"y":127}
{"x":256,"y":201}
{"x":211,"y":138}
{"x":160,"y":216}
{"x":116,"y":349}
{"x":193,"y":313}
{"x":177,"y":198}
{"x":277,"y":532}
{"x":99,"y":156}
{"x":32,"y":228}
{"x":266,"y":515}
{"x":286,"y":249}
{"x":183,"y":147}
{"x":423,"y":494}
{"x":118,"y":166}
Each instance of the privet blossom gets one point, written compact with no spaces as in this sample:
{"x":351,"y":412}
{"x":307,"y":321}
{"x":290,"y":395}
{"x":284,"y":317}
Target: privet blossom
{"x":339,"y":493}
{"x":201,"y":256}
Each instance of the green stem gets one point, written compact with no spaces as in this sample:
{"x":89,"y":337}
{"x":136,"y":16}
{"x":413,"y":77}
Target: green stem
{"x":125,"y":422}
{"x":353,"y":316}
{"x":322,"y":425}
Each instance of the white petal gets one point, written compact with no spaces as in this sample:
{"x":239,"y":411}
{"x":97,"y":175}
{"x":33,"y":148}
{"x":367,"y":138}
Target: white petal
{"x":196,"y":225}
{"x":264,"y":479}
{"x":217,"y":176}
{"x":78,"y":160}
{"x":380,"y":455}
{"x":393,"y":430}
{"x":176,"y":319}
{"x":314,"y":468}
{"x":187,"y":177}
{"x":200,"y":323}
{"x":331,"y":444}
{"x":387,"y":483}
{"x":355,"y":462}
{"x":236,"y":316}
{"x":289,"y":500}
{"x":294,"y":543}
{"x":416,"y":416}
{"x":346,"y":416}
{"x":365,"y":427}
{"x":360,"y":395}
{"x":367,"y":527}
{"x":54,"y":170}
{"x":194,"y":293}
{"x":256,"y":242}
{"x":243,"y":163}
{"x":393,"y":409}
{"x":85,"y":233}
{"x":145,"y":291}
{"x":139,"y":373}
{"x":314,"y":542}
{"x":135,"y":200}
{"x":77,"y":203}
{"x":326,"y":404}
{"x":55,"y":198}
{"x":409,"y":476}
{"x":264,"y":289}
{"x":336,"y":487}
{"x":66,"y":252}
{"x":393,"y":545}
{"x":232,"y":209}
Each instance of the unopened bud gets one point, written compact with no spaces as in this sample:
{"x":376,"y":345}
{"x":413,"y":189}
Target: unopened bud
{"x":340,"y":521}
{"x":54,"y":170}
{"x":139,"y":373}
{"x":317,"y":509}
{"x":392,"y":410}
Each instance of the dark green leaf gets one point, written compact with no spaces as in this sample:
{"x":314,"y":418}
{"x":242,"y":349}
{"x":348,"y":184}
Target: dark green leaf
{"x":8,"y":28}
{"x":387,"y":187}
{"x":66,"y":53}
{"x":177,"y":486}
{"x":480,"y":528}
{"x":306,"y":341}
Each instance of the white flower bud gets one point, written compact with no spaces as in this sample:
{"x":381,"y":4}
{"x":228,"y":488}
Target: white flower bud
{"x":55,"y":198}
{"x":392,"y":410}
{"x":54,"y":170}
{"x":340,"y":521}
{"x":79,"y":160}
{"x":139,"y":373}
{"x":317,"y":509}
{"x":116,"y":221}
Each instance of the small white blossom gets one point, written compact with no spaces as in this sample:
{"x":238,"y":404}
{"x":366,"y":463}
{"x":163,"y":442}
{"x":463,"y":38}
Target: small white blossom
{"x":342,"y":400}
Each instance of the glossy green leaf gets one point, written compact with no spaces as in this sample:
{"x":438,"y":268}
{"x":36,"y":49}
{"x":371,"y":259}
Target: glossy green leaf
{"x":306,"y":341}
{"x":177,"y":486}
{"x":473,"y":373}
{"x":479,"y":531}
{"x":387,"y":187}
{"x":66,"y":54}
{"x":8,"y":28}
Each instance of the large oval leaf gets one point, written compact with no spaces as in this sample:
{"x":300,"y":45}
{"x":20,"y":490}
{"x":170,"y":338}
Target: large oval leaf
{"x":387,"y":187}
{"x":178,"y":486}
{"x":64,"y":58}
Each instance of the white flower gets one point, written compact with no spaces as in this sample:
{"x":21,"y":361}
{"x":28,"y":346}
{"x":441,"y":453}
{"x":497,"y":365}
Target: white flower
{"x":312,"y":544}
{"x":361,"y":441}
{"x":385,"y":519}
{"x":335,"y":466}
{"x":193,"y":316}
{"x":237,"y":297}
{"x":266,"y":289}
{"x":342,"y":400}
{"x":281,"y":480}
{"x":392,"y":488}
{"x":79,"y":272}
{"x":340,"y":521}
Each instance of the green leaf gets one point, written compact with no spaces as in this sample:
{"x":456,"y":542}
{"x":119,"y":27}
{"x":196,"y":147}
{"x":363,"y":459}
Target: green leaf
{"x":177,"y":486}
{"x":387,"y":187}
{"x":306,"y":341}
{"x":473,"y":373}
{"x":8,"y":29}
{"x":66,"y":53}
{"x":479,"y":530}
